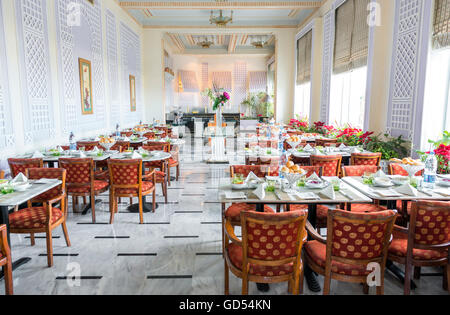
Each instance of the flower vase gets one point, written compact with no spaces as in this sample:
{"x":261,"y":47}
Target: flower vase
{"x":219,"y":121}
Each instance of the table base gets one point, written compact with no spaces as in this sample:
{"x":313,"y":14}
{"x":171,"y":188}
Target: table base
{"x":263,"y":287}
{"x":311,"y":280}
{"x":89,"y":206}
{"x":398,"y":273}
{"x":16,"y":264}
{"x":146,"y":207}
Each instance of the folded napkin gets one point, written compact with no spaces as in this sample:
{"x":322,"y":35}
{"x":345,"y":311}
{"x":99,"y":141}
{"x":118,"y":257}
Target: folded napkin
{"x":380,"y":174}
{"x":408,"y":190}
{"x":234,"y":195}
{"x":252,"y":177}
{"x":260,"y":192}
{"x":37,"y":155}
{"x":342,"y":146}
{"x":307,"y":196}
{"x":355,"y":150}
{"x":329,"y":192}
{"x":46,"y":181}
{"x":136,"y":156}
{"x":317,"y":152}
{"x":19,"y":179}
{"x":60,"y":149}
{"x":387,"y":193}
{"x":314,"y":176}
{"x":126,"y":139}
{"x":82,"y":154}
{"x":293,"y":144}
{"x":307,"y":147}
{"x":96,"y":139}
{"x":95,"y":150}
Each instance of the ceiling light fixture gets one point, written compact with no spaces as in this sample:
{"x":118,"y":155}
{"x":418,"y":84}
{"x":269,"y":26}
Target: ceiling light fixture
{"x":259,"y":42}
{"x":205,"y":43}
{"x":221,"y":21}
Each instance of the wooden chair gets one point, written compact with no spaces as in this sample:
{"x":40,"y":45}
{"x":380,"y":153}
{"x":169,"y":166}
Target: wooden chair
{"x":149,"y":135}
{"x":81,"y":181}
{"x":326,"y":142}
{"x":18,"y":166}
{"x":270,"y":249}
{"x":354,"y":240}
{"x":366,"y":159}
{"x":174,"y":161}
{"x":126,"y":134}
{"x":121,"y":146}
{"x":126,"y":180}
{"x":2,"y":174}
{"x":425,"y":243}
{"x":5,"y":260}
{"x":161,"y":175}
{"x":46,"y":218}
{"x":88,"y":145}
{"x":331,"y":164}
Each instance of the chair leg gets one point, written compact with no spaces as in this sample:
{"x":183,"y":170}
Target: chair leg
{"x":131,"y":201}
{"x":178,"y":172}
{"x":164,"y":188}
{"x":84,"y":200}
{"x":447,"y":277}
{"x":141,"y":210}
{"x":417,"y":271}
{"x":112,"y":208}
{"x":7,"y":271}
{"x":244,"y":285}
{"x":301,"y":280}
{"x":327,"y":284}
{"x":74,"y":202}
{"x":92,"y":200}
{"x":407,"y":288}
{"x":66,"y":234}
{"x":365,"y":288}
{"x":168,"y":175}
{"x":33,"y":241}
{"x":49,"y":248}
{"x":154,"y":200}
{"x":227,"y":278}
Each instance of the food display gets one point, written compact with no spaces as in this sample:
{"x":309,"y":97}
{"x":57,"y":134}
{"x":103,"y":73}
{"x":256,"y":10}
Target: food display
{"x":291,"y":168}
{"x":294,"y":139}
{"x":105,"y":140}
{"x":408,"y":161}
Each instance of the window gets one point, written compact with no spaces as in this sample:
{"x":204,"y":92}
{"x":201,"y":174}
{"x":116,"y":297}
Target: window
{"x":436,"y":111}
{"x":302,"y":102}
{"x":348,"y":81}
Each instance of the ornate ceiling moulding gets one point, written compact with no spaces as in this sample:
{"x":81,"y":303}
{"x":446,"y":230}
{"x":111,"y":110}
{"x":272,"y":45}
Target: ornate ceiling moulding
{"x":221,"y":5}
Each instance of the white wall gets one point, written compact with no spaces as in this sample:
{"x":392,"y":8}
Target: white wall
{"x":14,"y":69}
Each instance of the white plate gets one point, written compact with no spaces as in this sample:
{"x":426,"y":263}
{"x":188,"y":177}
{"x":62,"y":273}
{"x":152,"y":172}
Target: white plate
{"x":21,"y":186}
{"x":239,"y":186}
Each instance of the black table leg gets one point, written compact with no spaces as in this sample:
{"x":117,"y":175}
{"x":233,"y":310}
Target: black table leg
{"x":146,"y":207}
{"x":310,"y":276}
{"x":89,"y":206}
{"x":4,"y":219}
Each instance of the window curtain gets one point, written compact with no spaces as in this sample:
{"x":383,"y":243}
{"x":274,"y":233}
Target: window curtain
{"x":304,"y":47}
{"x":258,"y":81}
{"x":441,"y":26}
{"x":351,"y":46}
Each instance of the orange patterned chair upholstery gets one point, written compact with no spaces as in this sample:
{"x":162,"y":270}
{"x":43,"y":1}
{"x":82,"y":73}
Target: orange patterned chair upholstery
{"x":126,"y":180}
{"x":426,"y":242}
{"x":81,"y":181}
{"x":2,"y":174}
{"x":331,"y":164}
{"x":88,"y":145}
{"x":270,"y":250}
{"x":353,"y":241}
{"x":259,"y":170}
{"x":46,"y":218}
{"x":18,"y":166}
{"x":366,"y":159}
{"x":149,"y":135}
{"x":126,"y":134}
{"x":326,"y":142}
{"x":162,"y":166}
{"x":5,"y":261}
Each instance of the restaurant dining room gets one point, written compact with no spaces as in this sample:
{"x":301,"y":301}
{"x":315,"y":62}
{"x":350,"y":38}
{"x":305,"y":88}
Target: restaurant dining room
{"x":204,"y":149}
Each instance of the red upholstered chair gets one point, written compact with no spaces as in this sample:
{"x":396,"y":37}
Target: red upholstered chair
{"x":2,"y":174}
{"x":126,"y":133}
{"x":126,"y":180}
{"x":366,"y":159}
{"x":121,"y":146}
{"x":326,"y":142}
{"x":426,"y":242}
{"x":354,"y":240}
{"x":88,"y":145}
{"x":18,"y":166}
{"x":259,"y":170}
{"x":149,"y":135}
{"x":331,"y":164}
{"x":46,"y":218}
{"x":81,"y":181}
{"x":5,"y":261}
{"x":161,"y":175}
{"x":358,"y":171}
{"x":270,"y":250}
{"x":174,"y":161}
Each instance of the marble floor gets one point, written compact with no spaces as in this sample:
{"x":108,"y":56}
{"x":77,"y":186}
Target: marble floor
{"x":177,"y":250}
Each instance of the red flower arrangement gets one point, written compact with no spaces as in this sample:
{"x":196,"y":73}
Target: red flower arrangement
{"x":354,"y":137}
{"x":443,"y":157}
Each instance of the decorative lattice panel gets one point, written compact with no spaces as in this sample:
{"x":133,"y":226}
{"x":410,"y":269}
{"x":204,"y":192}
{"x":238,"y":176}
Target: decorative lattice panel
{"x":189,"y":81}
{"x":411,"y":34}
{"x":113,"y":71}
{"x":35,"y":70}
{"x":130,"y":50}
{"x":258,"y":81}
{"x":6,"y":127}
{"x":327,"y":64}
{"x":205,"y":82}
{"x":222,"y":80}
{"x":72,"y":46}
{"x":240,"y":85}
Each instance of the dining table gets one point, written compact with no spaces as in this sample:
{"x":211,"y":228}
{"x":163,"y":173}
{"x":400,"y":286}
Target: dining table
{"x":302,"y":196}
{"x":17,"y":198}
{"x":153,"y":156}
{"x":390,"y":195}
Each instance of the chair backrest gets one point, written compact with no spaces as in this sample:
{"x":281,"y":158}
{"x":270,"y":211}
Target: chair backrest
{"x":325,"y":142}
{"x":359,"y":170}
{"x":157,"y":146}
{"x":397,"y":169}
{"x":2,"y":174}
{"x":331,"y":164}
{"x":259,"y":170}
{"x":273,"y":239}
{"x":50,"y":173}
{"x":121,"y":146}
{"x":18,"y":166}
{"x":359,"y":237}
{"x":88,"y":145}
{"x":287,"y":146}
{"x":149,"y":135}
{"x":125,"y":173}
{"x":430,"y":224}
{"x":366,"y":159}
{"x":80,"y":172}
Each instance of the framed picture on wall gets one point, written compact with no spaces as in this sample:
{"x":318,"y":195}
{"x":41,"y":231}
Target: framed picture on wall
{"x":87,"y":106}
{"x":132,"y":93}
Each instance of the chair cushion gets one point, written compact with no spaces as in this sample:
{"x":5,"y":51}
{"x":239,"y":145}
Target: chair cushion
{"x":32,"y":218}
{"x":367,"y":207}
{"x":234,"y":211}
{"x":399,"y":246}
{"x":98,"y":186}
{"x":322,"y":211}
{"x":160,"y":176}
{"x":236,"y":256}
{"x":317,"y":252}
{"x":146,"y":186}
{"x":173,"y":162}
